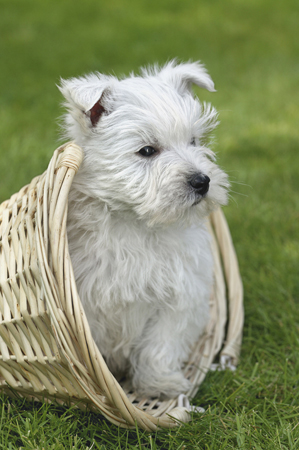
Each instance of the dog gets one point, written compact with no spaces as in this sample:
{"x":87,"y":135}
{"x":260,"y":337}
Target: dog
{"x":136,"y":227}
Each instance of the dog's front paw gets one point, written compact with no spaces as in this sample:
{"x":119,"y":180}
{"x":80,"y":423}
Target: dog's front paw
{"x":169,"y":385}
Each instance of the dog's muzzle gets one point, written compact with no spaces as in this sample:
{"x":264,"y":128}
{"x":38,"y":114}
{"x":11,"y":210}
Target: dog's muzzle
{"x":200,"y":183}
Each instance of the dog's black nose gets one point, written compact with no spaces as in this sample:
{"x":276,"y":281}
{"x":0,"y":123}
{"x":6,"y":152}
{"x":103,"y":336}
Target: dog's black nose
{"x":200,"y":183}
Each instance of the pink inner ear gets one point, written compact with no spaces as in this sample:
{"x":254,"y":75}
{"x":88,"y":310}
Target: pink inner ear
{"x":95,"y":112}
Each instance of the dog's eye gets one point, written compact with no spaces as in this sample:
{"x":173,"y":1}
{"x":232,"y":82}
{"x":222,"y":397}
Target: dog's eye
{"x":147,"y":151}
{"x":193,"y":142}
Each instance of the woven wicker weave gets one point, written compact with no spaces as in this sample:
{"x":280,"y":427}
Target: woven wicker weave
{"x":46,"y":348}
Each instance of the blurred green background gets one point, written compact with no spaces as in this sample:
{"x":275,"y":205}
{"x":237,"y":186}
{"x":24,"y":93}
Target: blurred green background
{"x":251,"y":50}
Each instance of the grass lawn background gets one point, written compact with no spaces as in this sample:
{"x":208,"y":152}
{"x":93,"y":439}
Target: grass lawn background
{"x":251,"y":49}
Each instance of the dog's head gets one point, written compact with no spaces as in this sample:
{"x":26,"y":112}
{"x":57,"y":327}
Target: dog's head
{"x":144,"y":142}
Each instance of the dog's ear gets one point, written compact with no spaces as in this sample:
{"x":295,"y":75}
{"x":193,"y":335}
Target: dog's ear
{"x":96,"y":111}
{"x":182,"y":76}
{"x":87,"y":97}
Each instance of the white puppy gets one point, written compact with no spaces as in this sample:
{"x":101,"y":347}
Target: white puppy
{"x":136,"y":224}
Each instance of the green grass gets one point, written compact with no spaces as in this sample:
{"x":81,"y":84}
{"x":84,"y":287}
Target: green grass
{"x":251,"y":50}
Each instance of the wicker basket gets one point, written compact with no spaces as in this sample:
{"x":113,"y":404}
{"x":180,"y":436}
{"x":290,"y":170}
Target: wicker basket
{"x":46,"y":348}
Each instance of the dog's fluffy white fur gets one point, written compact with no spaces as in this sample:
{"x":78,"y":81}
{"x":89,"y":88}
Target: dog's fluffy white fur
{"x":136,"y":223}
